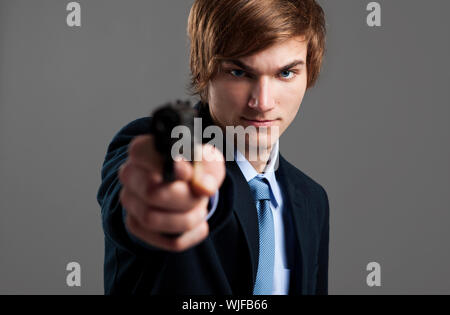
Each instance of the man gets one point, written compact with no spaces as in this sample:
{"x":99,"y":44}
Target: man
{"x":242,"y":226}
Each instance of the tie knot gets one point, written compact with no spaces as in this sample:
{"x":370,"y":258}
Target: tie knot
{"x":259,"y":188}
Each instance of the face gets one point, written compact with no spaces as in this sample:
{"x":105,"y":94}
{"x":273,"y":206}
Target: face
{"x":264,"y":89}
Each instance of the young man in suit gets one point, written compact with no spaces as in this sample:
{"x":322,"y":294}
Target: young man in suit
{"x":242,"y":226}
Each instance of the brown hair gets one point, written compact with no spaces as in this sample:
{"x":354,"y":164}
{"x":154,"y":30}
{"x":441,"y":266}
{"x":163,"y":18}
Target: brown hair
{"x":220,"y":29}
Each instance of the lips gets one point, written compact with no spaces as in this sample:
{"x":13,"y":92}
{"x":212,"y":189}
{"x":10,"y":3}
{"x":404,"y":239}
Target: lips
{"x":258,"y":122}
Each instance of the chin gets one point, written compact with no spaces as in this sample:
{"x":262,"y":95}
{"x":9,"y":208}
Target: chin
{"x":260,"y":141}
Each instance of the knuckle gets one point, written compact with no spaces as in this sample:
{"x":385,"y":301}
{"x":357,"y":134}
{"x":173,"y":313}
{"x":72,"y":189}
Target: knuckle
{"x":152,"y":221}
{"x":177,"y":245}
{"x":163,"y":195}
{"x":175,"y":196}
{"x":132,"y":147}
{"x":169,"y":194}
{"x":193,"y":218}
{"x":123,"y":172}
{"x":135,"y":147}
{"x":202,"y":231}
{"x":205,"y":230}
{"x":123,"y":196}
{"x":189,"y":222}
{"x":204,"y":213}
{"x":151,"y":174}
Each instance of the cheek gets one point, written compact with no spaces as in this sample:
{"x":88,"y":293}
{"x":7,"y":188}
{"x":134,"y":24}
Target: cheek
{"x":290,"y":101}
{"x":295,"y":106}
{"x":233,"y":92}
{"x":228,"y":96}
{"x":292,"y":96}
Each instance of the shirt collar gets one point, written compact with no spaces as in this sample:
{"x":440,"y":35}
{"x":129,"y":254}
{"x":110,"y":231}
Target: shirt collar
{"x":249,"y":172}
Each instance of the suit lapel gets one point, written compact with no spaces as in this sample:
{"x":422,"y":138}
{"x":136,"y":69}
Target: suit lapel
{"x":244,"y":208}
{"x":295,"y":202}
{"x":242,"y":202}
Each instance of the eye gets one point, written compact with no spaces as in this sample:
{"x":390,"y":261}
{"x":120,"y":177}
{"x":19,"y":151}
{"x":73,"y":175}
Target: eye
{"x":287,"y":74}
{"x":237,"y":73}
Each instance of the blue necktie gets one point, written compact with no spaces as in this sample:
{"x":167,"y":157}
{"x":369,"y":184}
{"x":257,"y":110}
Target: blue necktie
{"x":264,"y":276}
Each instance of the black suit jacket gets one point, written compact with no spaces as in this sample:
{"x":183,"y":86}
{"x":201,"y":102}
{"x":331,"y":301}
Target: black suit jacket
{"x":226,"y":261}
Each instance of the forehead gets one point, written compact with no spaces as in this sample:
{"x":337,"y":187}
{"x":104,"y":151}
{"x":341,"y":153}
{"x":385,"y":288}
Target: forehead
{"x":274,"y":57}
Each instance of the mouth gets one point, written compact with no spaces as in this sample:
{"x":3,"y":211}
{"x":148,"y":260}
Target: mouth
{"x":259,"y":122}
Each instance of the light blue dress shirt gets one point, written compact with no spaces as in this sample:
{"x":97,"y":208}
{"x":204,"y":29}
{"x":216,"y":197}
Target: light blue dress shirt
{"x":281,"y":271}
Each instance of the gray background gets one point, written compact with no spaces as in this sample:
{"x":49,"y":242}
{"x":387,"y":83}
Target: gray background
{"x":374,"y":132}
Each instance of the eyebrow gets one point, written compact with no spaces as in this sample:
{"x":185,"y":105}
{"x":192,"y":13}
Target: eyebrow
{"x":250,"y":69}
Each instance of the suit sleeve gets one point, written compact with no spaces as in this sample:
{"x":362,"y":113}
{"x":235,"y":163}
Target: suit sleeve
{"x":113,"y":214}
{"x":322,"y":274}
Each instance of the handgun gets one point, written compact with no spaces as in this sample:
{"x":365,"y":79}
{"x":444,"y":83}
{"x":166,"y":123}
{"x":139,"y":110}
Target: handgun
{"x":164,"y":119}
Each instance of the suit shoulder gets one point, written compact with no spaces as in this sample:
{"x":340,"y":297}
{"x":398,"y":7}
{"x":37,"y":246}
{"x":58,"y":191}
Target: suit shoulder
{"x":125,"y":134}
{"x":136,"y":127}
{"x":309,"y":186}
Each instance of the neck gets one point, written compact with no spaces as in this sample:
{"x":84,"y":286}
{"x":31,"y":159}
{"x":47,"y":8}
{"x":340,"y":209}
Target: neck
{"x":262,"y":158}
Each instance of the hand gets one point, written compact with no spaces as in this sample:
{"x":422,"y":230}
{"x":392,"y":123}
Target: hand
{"x":155,"y":208}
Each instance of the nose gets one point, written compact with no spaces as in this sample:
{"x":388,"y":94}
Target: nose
{"x":261,"y":95}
